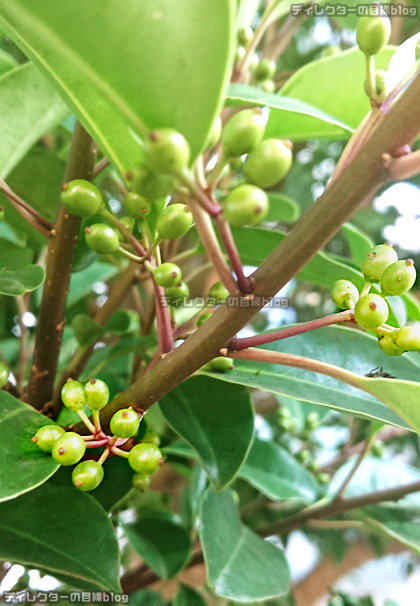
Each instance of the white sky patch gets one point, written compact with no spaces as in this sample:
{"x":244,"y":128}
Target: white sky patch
{"x":405,"y":198}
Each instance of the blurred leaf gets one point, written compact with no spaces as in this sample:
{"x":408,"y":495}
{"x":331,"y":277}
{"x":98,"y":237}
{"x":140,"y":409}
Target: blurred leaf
{"x":87,"y":331}
{"x":359,"y":243}
{"x":282,"y":209}
{"x":14,"y":283}
{"x":407,"y":533}
{"x":146,"y":597}
{"x":6,"y":62}
{"x":13,"y":257}
{"x":187,"y":596}
{"x":82,"y":281}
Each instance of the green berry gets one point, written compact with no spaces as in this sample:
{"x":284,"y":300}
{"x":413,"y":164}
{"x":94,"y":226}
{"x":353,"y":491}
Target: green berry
{"x":215,"y":132}
{"x":245,"y":35}
{"x":398,"y":278}
{"x":408,"y":338}
{"x":145,"y":458}
{"x":240,"y":53}
{"x":381,"y":86}
{"x":268,"y":163}
{"x":344,"y":294}
{"x":68,"y":449}
{"x":102,"y":238}
{"x":371,"y":311}
{"x":220,"y":364}
{"x":203,"y":318}
{"x":4,"y":374}
{"x":81,"y":198}
{"x":151,"y":437}
{"x":97,"y":394}
{"x":265,"y":69}
{"x":313,"y":465}
{"x":73,"y":395}
{"x":377,"y":448}
{"x":174,"y":221}
{"x":166,"y":151}
{"x":268,"y":86}
{"x":177,"y":295}
{"x":303,"y":455}
{"x":87,"y":475}
{"x":46,"y":436}
{"x":219,"y":293}
{"x":141,"y":482}
{"x":377,"y":260}
{"x":323,"y":478}
{"x":149,"y":184}
{"x":136,"y":205}
{"x":373,"y":31}
{"x":125,"y":423}
{"x":243,"y":132}
{"x":389,"y":346}
{"x":167,"y":274}
{"x":246,"y":205}
{"x":312,"y":421}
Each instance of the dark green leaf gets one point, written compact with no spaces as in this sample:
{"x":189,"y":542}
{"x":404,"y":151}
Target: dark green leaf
{"x":146,"y":597}
{"x":14,"y":283}
{"x":13,"y":257}
{"x":187,"y":596}
{"x":216,"y":420}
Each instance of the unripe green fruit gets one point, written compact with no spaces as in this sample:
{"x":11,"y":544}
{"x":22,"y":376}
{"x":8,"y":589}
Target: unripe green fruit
{"x":167,"y":274}
{"x":373,"y":32}
{"x":218,"y":292}
{"x":87,"y":475}
{"x":167,"y":151}
{"x":312,"y":421}
{"x":215,"y":132}
{"x":177,"y":295}
{"x":265,"y":69}
{"x":4,"y":374}
{"x":220,"y":364}
{"x":46,"y":436}
{"x":377,"y":260}
{"x":398,"y":278}
{"x":97,"y":394}
{"x":243,"y":132}
{"x":371,"y":311}
{"x":323,"y":478}
{"x":136,"y":205}
{"x":389,"y":346}
{"x":408,"y":338}
{"x":174,"y":221}
{"x":240,"y":53}
{"x":102,"y":238}
{"x":68,"y":449}
{"x":81,"y":198}
{"x":145,"y":458}
{"x":151,"y":437}
{"x":125,"y":423}
{"x":381,"y":86}
{"x":268,"y":163}
{"x":377,"y":448}
{"x":141,"y":482}
{"x":344,"y":294}
{"x":253,"y":62}
{"x":303,"y":455}
{"x":245,"y":35}
{"x":246,"y":205}
{"x":203,"y":318}
{"x":73,"y":395}
{"x":149,"y":184}
{"x":268,"y":86}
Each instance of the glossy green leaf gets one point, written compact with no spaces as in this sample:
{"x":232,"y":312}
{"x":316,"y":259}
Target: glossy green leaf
{"x":13,"y":256}
{"x":277,"y":474}
{"x":289,"y":118}
{"x":358,"y":242}
{"x":187,"y":596}
{"x":242,"y":566}
{"x":63,"y":532}
{"x":282,"y":209}
{"x":23,"y":466}
{"x":349,"y":349}
{"x":146,"y":597}
{"x":407,"y":533}
{"x":119,"y":91}
{"x":23,"y":123}
{"x":161,"y":541}
{"x":14,"y":283}
{"x":216,"y":420}
{"x":87,"y":331}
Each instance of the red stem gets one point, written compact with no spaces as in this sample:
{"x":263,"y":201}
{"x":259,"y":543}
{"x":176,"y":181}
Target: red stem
{"x":232,"y":252}
{"x":163,"y":321}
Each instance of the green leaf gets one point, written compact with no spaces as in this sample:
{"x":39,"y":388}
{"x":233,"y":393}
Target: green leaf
{"x":23,"y":123}
{"x":240,"y":565}
{"x":6,"y":62}
{"x":13,"y":256}
{"x":289,"y":118}
{"x":246,"y":13}
{"x":146,"y":597}
{"x":161,"y":541}
{"x":87,"y":331}
{"x":277,"y":474}
{"x":358,"y":242}
{"x":81,"y":282}
{"x":216,"y":420}
{"x":187,"y":596}
{"x":14,"y":283}
{"x":282,"y":208}
{"x":407,"y":533}
{"x":119,"y":91}
{"x":63,"y":532}
{"x":23,"y":466}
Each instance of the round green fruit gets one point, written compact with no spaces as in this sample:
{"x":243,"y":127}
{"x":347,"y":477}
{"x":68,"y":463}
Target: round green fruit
{"x":268,"y":163}
{"x":371,"y":311}
{"x":344,"y":294}
{"x":243,"y":132}
{"x":219,"y":293}
{"x":167,"y":151}
{"x":373,"y":32}
{"x":125,"y":423}
{"x":203,"y":318}
{"x":408,"y":338}
{"x":102,"y":238}
{"x":265,"y":69}
{"x":151,"y":437}
{"x":377,"y":260}
{"x":145,"y":458}
{"x":46,"y":436}
{"x":73,"y":395}
{"x":141,"y":482}
{"x":97,"y":394}
{"x":177,"y":295}
{"x":4,"y":374}
{"x":137,"y":206}
{"x":87,"y":475}
{"x":220,"y":364}
{"x":174,"y":221}
{"x":167,"y":274}
{"x":246,"y":205}
{"x":245,"y":35}
{"x":377,"y":448}
{"x":149,"y":184}
{"x":389,"y":346}
{"x":68,"y":449}
{"x":398,"y":278}
{"x":81,"y":198}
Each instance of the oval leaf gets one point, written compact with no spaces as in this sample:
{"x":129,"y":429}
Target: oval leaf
{"x":15,"y":283}
{"x":187,"y":596}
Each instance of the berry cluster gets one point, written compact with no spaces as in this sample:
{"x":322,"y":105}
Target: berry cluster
{"x":396,"y":277}
{"x":69,"y":447}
